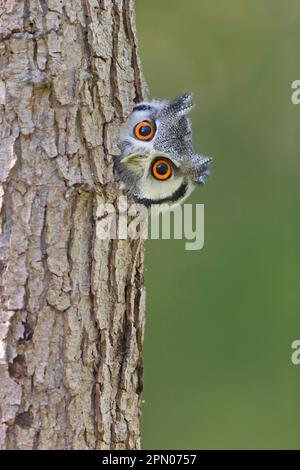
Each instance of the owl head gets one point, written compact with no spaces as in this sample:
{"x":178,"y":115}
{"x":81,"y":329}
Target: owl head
{"x":157,"y":165}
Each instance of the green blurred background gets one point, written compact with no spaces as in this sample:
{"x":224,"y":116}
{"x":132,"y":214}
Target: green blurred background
{"x":220,"y":321}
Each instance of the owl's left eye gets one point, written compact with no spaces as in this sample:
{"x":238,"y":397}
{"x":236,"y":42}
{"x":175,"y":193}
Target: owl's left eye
{"x":144,"y":130}
{"x":162,"y":169}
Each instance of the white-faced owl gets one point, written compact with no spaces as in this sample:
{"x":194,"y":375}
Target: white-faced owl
{"x":157,"y":165}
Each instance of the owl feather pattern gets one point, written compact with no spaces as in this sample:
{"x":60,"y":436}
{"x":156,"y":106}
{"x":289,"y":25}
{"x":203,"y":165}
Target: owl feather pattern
{"x":157,"y":165}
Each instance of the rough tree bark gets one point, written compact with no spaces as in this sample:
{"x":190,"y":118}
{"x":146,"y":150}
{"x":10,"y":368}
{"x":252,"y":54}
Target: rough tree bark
{"x":72,"y":305}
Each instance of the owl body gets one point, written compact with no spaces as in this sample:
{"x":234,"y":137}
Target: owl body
{"x":157,"y":166}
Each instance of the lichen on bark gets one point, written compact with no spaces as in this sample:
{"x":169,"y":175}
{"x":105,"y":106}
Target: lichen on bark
{"x":72,"y":305}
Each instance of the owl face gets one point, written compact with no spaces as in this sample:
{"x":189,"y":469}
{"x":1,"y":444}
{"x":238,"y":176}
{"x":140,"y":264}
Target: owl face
{"x":157,"y":165}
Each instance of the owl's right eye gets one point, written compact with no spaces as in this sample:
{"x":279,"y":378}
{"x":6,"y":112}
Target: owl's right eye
{"x":144,"y":130}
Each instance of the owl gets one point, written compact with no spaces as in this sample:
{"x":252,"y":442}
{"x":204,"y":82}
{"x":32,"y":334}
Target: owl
{"x":157,"y":165}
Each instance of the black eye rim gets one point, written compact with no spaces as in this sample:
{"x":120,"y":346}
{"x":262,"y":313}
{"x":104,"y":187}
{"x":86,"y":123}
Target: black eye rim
{"x":170,"y":168}
{"x":141,"y":124}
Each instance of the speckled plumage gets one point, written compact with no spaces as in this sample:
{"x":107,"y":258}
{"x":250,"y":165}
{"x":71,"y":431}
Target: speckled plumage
{"x":172,"y":141}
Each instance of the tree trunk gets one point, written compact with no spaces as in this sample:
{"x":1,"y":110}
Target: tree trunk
{"x":72,"y":305}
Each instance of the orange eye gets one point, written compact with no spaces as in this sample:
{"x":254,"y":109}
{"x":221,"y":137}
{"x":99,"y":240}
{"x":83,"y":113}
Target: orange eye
{"x":144,"y":130}
{"x":162,"y":170}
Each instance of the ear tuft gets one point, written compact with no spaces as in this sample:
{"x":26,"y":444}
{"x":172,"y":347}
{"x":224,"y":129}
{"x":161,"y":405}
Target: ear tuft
{"x":181,"y":106}
{"x":201,"y":168}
